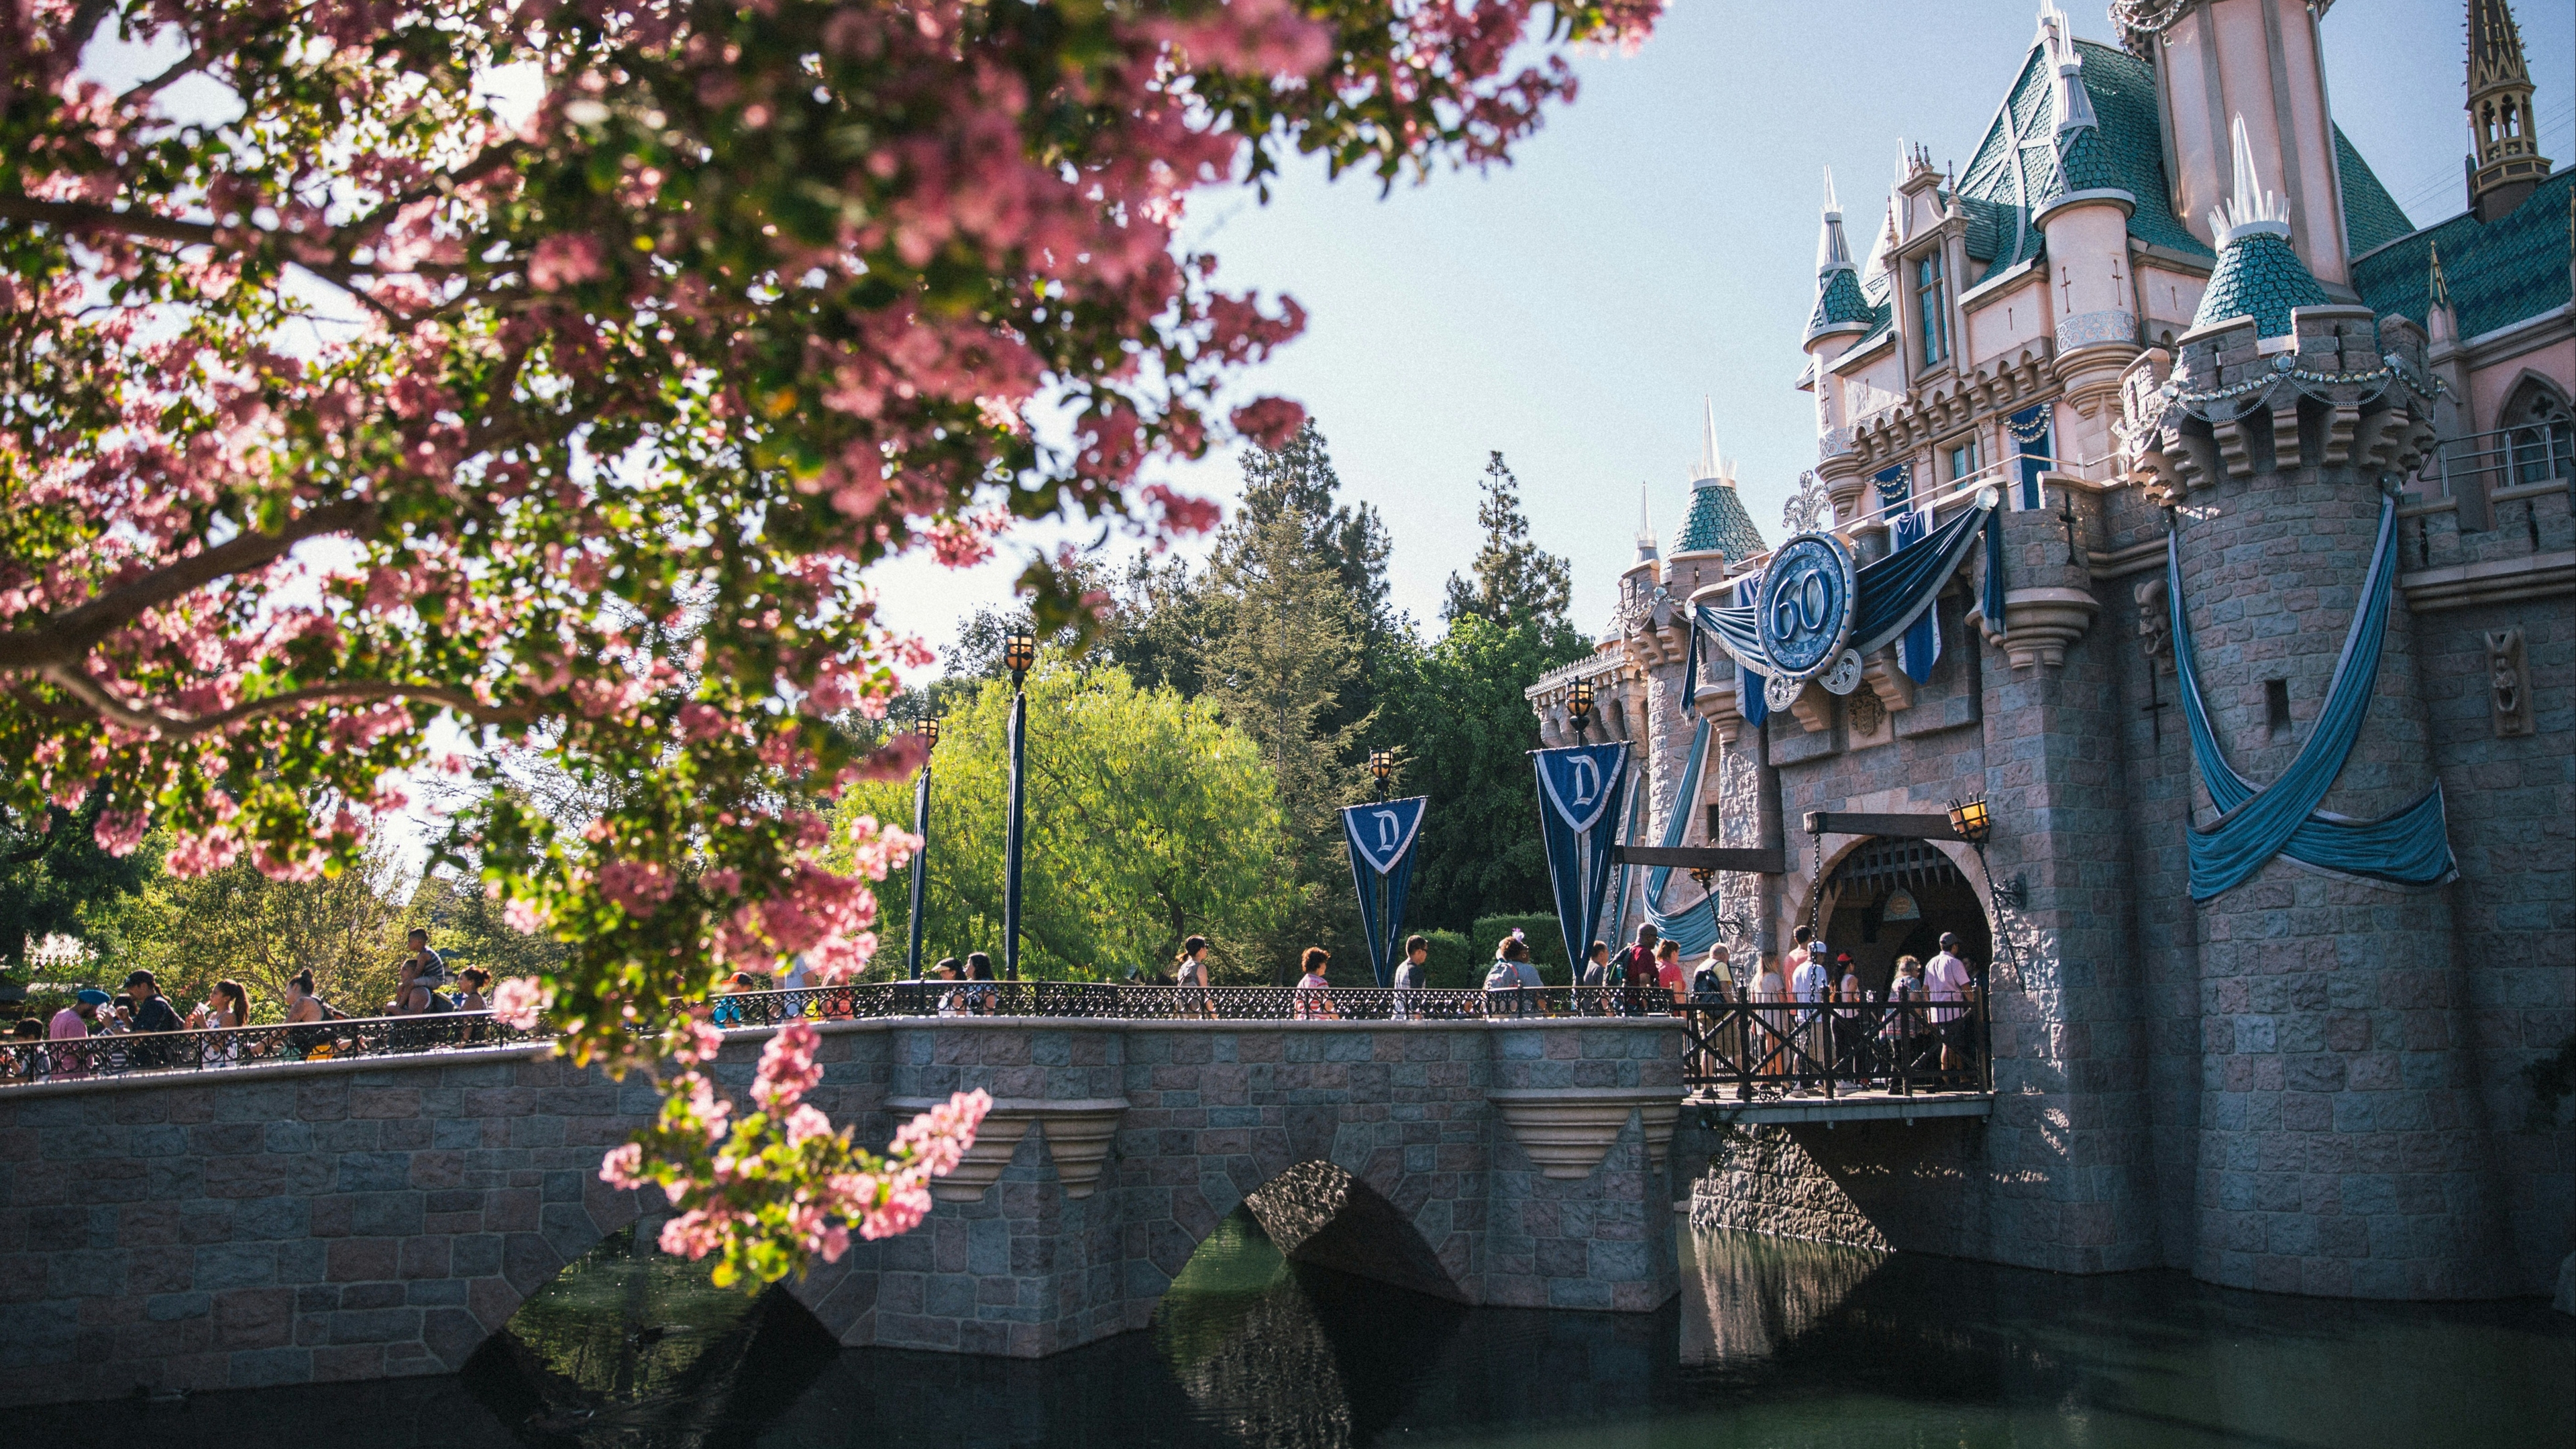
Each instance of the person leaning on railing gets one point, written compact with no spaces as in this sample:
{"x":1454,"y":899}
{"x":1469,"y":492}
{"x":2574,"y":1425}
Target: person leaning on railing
{"x":24,"y":1061}
{"x":1512,"y":973}
{"x":1314,"y":999}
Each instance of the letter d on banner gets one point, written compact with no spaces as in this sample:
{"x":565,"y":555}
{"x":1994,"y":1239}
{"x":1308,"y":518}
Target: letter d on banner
{"x":1381,"y":840}
{"x":1579,"y":790}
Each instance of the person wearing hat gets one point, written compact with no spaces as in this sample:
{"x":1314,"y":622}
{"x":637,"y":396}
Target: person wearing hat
{"x":73,"y":1022}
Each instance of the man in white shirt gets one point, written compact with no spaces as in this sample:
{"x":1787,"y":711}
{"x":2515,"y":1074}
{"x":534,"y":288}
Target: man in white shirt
{"x":1945,"y":978}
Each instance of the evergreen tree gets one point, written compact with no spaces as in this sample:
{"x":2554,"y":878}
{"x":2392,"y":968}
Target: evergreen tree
{"x":1297,"y":482}
{"x":1282,"y":657}
{"x":1515,"y":581}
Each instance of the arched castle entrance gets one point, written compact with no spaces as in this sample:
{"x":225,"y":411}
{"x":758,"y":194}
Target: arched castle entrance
{"x":1873,"y":883}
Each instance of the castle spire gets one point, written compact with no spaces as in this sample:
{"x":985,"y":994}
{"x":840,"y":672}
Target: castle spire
{"x":2251,"y":209}
{"x":2505,"y":163}
{"x":1711,"y":466}
{"x":1833,"y":253}
{"x":2258,"y":276}
{"x":2074,"y":105}
{"x":1840,"y":304}
{"x":1645,"y":527}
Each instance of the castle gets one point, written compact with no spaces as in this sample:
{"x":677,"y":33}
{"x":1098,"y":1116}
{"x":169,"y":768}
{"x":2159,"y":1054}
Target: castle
{"x":2275,"y":487}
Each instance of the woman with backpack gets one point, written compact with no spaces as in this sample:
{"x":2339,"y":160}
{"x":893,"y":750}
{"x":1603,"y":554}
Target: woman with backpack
{"x":1190,"y":969}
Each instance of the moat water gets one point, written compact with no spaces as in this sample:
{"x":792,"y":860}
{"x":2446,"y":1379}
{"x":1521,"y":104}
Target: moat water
{"x":1774,"y":1344}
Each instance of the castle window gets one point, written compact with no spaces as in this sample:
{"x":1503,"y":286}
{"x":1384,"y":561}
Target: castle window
{"x":1965,"y":459}
{"x":1932,"y":308}
{"x":2276,"y":706}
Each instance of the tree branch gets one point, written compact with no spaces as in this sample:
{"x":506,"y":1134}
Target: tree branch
{"x":66,"y":637}
{"x":86,"y":216}
{"x":182,"y":727}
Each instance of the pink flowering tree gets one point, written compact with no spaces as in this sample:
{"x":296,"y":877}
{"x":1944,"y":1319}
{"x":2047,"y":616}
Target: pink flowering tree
{"x":340,"y":418}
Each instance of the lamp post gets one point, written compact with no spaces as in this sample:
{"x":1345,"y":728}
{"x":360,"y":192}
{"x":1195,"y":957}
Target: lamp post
{"x":1018,"y":653}
{"x":1382,"y":765}
{"x":929,"y":732}
{"x":1707,"y":879}
{"x":1578,"y":705}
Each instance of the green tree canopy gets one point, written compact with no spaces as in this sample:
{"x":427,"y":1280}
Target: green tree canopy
{"x":1149,"y":820}
{"x":1466,"y":733}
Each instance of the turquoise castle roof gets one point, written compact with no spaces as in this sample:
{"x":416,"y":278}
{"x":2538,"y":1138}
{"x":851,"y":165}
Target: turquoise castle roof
{"x":1718,"y":521}
{"x":1839,"y":301}
{"x":2258,"y":276}
{"x":2371,"y":217}
{"x":2499,"y":272}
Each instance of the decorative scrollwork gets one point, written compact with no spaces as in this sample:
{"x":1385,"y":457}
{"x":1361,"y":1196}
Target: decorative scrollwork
{"x":1780,"y":693}
{"x":1810,"y":508}
{"x":1844,"y":677}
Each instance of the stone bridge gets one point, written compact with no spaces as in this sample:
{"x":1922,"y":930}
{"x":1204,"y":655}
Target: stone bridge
{"x":377,"y":1218}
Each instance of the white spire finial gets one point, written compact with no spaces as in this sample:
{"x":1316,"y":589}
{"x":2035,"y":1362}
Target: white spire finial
{"x":1833,"y":254}
{"x":2074,"y":105}
{"x":2252,"y":210}
{"x":1645,"y":526}
{"x":1710,"y":465}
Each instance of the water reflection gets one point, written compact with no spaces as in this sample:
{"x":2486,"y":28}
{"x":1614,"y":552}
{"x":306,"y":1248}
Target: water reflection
{"x":1752,"y":1295}
{"x":1772,"y":1344}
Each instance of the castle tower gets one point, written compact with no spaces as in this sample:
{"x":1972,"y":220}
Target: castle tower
{"x":2504,"y":161}
{"x":1842,"y":314}
{"x":2085,"y":218}
{"x":2342,"y":1147}
{"x":2260,"y":60}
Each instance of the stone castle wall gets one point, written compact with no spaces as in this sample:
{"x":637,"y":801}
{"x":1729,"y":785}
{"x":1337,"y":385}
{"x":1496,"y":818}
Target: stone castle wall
{"x":371,"y":1219}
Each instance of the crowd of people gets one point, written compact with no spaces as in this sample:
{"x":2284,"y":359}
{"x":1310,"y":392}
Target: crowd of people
{"x":143,"y":1018}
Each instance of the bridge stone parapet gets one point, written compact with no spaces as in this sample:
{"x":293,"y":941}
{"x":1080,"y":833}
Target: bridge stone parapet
{"x":379,"y":1218}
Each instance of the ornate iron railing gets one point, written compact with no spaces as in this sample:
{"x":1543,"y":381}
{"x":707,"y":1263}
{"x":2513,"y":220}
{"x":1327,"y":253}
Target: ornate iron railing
{"x":1079,"y":999}
{"x":124,"y":1053}
{"x":1749,"y":1049}
{"x":196,"y":1051}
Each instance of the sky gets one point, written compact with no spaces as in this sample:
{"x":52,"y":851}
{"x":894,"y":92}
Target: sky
{"x":1655,"y":245}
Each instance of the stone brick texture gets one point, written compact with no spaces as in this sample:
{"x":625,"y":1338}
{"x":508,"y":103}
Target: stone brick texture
{"x":2309,"y":1084}
{"x":361,"y":1220}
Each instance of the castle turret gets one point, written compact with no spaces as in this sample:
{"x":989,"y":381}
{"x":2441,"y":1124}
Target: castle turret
{"x":1841,"y":315}
{"x":2263,"y":61}
{"x":2343,"y":1142}
{"x":2504,"y":161}
{"x":2259,"y":274}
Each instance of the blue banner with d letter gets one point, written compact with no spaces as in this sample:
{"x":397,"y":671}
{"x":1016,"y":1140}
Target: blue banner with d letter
{"x":1579,"y":790}
{"x":1381,"y":840}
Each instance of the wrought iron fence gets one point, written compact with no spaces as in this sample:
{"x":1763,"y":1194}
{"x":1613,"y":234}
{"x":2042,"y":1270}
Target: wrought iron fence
{"x":1835,"y":1048}
{"x":123,"y":1054}
{"x":1078,"y":999}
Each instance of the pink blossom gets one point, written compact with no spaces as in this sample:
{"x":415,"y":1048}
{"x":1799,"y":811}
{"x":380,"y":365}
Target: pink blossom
{"x":562,"y":261}
{"x":520,"y":1000}
{"x":1269,"y":421}
{"x":787,"y":1067}
{"x":806,"y":1123}
{"x":623,"y":1167}
{"x":119,"y":831}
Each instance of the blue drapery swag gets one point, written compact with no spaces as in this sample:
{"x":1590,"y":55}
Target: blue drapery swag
{"x":1895,"y":594}
{"x":1381,"y":839}
{"x":1579,"y":791}
{"x":1692,"y":927}
{"x":1919,"y":647}
{"x":2256,"y":822}
{"x":2029,"y":430}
